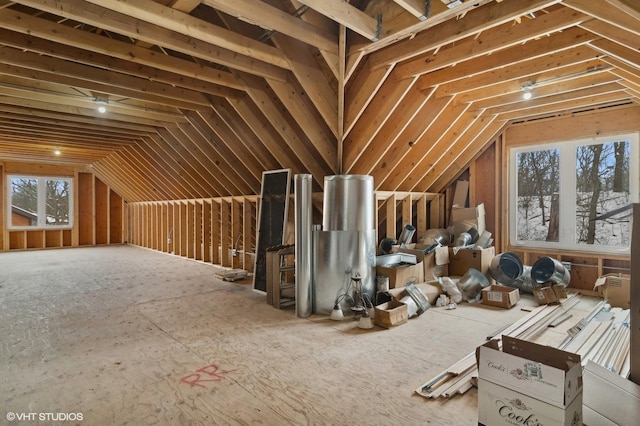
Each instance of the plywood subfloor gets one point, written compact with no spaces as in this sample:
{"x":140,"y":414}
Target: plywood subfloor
{"x":129,"y":336}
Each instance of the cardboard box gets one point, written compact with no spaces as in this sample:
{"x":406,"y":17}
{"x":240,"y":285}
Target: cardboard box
{"x":431,"y":289}
{"x":498,"y":405}
{"x":500,"y":296}
{"x":436,"y":263}
{"x":390,"y":314}
{"x":474,"y":216}
{"x":541,"y":372}
{"x":402,"y":275}
{"x":560,"y":291}
{"x":615,"y":288}
{"x":464,"y":259}
{"x":545,"y":295}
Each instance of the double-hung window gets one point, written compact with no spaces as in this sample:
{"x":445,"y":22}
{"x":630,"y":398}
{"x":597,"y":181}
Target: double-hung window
{"x":39,"y":202}
{"x":574,"y":195}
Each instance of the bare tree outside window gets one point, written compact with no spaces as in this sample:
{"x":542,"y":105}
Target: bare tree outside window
{"x":575,"y":194}
{"x":602,"y":186}
{"x":40,"y":202}
{"x":57,"y":202}
{"x":538,"y":183}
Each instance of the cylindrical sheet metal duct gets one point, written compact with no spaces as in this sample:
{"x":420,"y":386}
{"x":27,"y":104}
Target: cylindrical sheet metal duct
{"x":506,"y":268}
{"x":339,"y":255}
{"x":303,"y":244}
{"x":406,"y":235}
{"x":547,"y":270}
{"x":348,"y":203}
{"x":525,"y":284}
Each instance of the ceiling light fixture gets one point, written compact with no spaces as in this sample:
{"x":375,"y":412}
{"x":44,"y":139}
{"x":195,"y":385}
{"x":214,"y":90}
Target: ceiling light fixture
{"x":102,"y":105}
{"x":527,"y":88}
{"x":57,"y":151}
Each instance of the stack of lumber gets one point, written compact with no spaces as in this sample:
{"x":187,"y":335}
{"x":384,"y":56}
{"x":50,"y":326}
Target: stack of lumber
{"x":603,"y":342}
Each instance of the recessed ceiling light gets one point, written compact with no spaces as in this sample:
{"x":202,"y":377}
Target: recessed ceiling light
{"x":57,"y":152}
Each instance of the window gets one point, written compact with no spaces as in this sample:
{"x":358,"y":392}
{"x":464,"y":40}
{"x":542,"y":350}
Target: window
{"x":39,"y":202}
{"x":574,"y":195}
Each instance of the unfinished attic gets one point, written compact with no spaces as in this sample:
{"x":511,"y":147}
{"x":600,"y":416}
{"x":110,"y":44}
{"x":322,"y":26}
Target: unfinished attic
{"x":194,"y":190}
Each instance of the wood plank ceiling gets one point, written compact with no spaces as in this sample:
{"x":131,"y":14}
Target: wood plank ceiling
{"x":202,"y":96}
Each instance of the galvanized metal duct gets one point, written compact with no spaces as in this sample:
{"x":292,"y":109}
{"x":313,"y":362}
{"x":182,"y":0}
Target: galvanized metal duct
{"x":547,"y":270}
{"x":348,"y":203}
{"x":346,"y":244}
{"x":507,"y":269}
{"x":303,"y":245}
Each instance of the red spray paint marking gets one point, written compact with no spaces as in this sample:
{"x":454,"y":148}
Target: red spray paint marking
{"x":208,"y":373}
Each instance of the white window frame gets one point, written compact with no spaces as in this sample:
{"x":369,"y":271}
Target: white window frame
{"x":41,"y":202}
{"x":567,"y":199}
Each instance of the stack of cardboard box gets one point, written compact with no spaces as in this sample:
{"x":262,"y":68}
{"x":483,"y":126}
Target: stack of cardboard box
{"x":528,"y":384}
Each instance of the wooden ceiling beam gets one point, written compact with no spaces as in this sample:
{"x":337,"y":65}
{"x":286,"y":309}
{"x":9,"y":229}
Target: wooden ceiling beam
{"x":566,"y":107}
{"x":214,"y":160}
{"x":38,"y":27}
{"x":236,"y":124}
{"x":221,"y":156}
{"x":191,"y":163}
{"x":624,"y":54}
{"x":510,"y":88}
{"x":315,"y":84}
{"x":474,"y":22}
{"x":274,"y":19}
{"x":593,"y":92}
{"x":182,"y":23}
{"x":603,"y":11}
{"x":360,"y":92}
{"x":406,"y":172}
{"x":157,"y":155}
{"x":51,"y":49}
{"x":347,"y":15}
{"x":446,"y":173}
{"x":38,"y":69}
{"x":93,"y":122}
{"x":545,"y":67}
{"x":512,"y":56}
{"x":86,"y":107}
{"x":282,"y":121}
{"x":508,"y":35}
{"x":389,"y":135}
{"x":616,"y":34}
{"x":417,"y":8}
{"x":456,"y":142}
{"x":307,"y":119}
{"x":629,"y":6}
{"x":235,"y":153}
{"x":389,"y":167}
{"x":260,"y":125}
{"x":390,"y":95}
{"x":72,"y":128}
{"x":141,"y":182}
{"x":401,"y":32}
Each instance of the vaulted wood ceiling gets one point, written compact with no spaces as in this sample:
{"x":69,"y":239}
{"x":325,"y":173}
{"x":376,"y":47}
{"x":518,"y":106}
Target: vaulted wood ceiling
{"x":202,"y":96}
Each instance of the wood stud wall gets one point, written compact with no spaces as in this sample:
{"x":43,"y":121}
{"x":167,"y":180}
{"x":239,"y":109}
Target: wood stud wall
{"x":203,"y":229}
{"x":209,"y":229}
